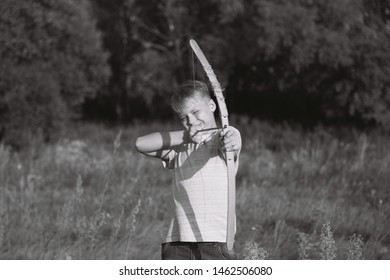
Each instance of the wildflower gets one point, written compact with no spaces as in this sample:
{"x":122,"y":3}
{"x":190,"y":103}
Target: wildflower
{"x":252,"y":251}
{"x":327,"y":243}
{"x":303,"y":246}
{"x":355,"y":247}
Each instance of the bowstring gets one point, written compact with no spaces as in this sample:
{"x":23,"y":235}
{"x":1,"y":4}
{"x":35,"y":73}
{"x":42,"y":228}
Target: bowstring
{"x":193,"y":68}
{"x":199,"y":146}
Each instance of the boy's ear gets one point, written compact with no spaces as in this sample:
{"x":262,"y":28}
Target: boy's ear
{"x":213,"y":106}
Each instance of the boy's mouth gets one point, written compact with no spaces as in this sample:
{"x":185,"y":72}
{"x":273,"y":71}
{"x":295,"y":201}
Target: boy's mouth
{"x":197,"y":127}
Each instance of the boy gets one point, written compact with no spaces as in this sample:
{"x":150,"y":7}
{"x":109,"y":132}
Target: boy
{"x":197,"y":228}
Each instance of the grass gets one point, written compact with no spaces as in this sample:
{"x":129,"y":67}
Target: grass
{"x":319,"y":194}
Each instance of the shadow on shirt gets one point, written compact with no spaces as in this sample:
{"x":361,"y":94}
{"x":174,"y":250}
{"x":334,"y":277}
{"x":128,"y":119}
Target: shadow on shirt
{"x":193,"y":159}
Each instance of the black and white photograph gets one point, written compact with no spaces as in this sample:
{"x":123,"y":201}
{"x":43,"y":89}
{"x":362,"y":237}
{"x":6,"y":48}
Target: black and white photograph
{"x":195,"y":130}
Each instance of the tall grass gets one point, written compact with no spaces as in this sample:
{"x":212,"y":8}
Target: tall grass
{"x":318,"y":194}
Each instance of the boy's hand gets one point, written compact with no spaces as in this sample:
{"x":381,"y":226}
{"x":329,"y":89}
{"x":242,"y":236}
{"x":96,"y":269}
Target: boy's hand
{"x":230,"y":140}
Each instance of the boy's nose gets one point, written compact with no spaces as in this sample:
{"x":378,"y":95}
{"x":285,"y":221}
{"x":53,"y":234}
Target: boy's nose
{"x":191,"y":120}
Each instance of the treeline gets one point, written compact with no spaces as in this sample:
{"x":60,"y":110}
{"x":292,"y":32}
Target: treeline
{"x":51,"y":60}
{"x":117,"y":60}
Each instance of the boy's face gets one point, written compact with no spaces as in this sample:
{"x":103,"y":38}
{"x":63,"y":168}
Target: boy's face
{"x":197,"y":113}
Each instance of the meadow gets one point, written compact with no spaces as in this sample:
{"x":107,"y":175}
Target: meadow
{"x":322,"y":193}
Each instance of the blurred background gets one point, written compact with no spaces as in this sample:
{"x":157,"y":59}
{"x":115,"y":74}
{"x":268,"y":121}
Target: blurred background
{"x":306,"y":82}
{"x":116,"y":61}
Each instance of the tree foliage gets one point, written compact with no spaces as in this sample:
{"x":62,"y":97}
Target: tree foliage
{"x":149,"y":43}
{"x":309,"y":60}
{"x":328,"y":51}
{"x":51,"y":60}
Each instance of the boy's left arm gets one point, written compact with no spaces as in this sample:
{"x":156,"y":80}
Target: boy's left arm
{"x":231,"y":142}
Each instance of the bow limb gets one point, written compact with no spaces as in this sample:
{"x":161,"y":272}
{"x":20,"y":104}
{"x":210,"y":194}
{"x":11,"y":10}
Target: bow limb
{"x":231,"y":210}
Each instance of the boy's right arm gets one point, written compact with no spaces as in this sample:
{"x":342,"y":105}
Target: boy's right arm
{"x":158,"y":144}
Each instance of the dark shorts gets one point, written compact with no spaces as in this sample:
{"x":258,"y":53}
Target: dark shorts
{"x":196,"y":251}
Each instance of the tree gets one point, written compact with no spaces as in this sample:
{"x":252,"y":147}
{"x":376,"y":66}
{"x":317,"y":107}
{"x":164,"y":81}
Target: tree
{"x":149,"y":43}
{"x":326,"y":60}
{"x":306,"y":60}
{"x":51,"y":60}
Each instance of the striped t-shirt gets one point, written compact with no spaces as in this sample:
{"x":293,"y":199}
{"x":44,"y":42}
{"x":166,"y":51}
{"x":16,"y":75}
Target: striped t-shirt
{"x":199,"y":192}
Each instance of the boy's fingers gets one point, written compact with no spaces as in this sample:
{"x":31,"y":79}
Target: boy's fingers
{"x":230,"y":138}
{"x":231,"y":144}
{"x":226,"y":133}
{"x":226,"y":142}
{"x":229,"y":148}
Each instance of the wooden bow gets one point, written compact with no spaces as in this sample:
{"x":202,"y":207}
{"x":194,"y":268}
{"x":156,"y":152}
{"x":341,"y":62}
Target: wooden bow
{"x":223,"y":113}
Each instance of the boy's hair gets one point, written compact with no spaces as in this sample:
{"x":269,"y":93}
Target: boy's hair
{"x":189,"y":89}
